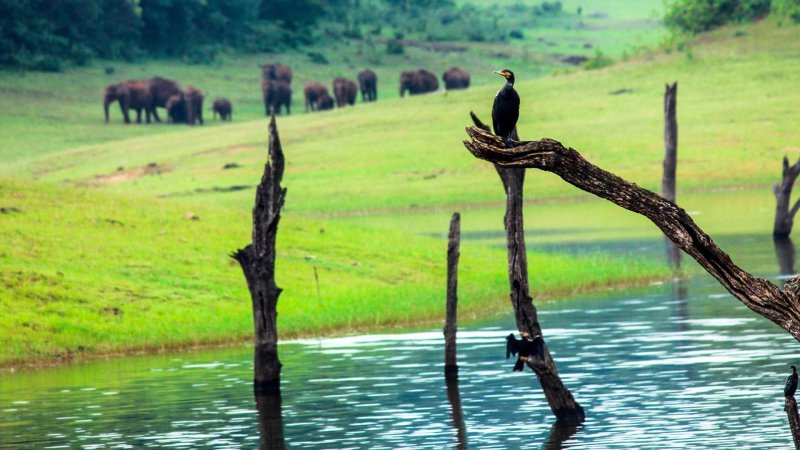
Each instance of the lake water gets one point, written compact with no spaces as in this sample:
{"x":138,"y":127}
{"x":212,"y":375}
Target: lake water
{"x":673,"y":365}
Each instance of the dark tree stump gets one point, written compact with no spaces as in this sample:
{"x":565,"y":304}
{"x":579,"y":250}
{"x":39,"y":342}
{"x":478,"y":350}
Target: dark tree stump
{"x":790,"y":406}
{"x":668,"y":182}
{"x":559,"y":398}
{"x":451,"y":319}
{"x":784,"y":217}
{"x":780,"y":306}
{"x":785,"y":252}
{"x":258,"y":264}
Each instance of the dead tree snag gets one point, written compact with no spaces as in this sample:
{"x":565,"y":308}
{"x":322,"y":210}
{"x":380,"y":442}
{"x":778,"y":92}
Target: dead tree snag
{"x":258,"y":264}
{"x":561,"y":401}
{"x":784,"y":217}
{"x":790,"y":406}
{"x":668,"y":182}
{"x":780,"y":306}
{"x":451,"y":318}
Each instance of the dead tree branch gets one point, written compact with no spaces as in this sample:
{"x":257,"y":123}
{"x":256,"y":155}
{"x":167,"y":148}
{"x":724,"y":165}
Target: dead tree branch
{"x":784,"y":217}
{"x":559,"y":397}
{"x":258,"y":264}
{"x":758,"y":294}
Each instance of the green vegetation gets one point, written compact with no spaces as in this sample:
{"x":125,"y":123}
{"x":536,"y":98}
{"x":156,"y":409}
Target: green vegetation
{"x":696,"y":16}
{"x":101,"y":257}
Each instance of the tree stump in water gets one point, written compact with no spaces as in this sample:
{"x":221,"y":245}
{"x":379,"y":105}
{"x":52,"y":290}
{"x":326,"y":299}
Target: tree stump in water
{"x":790,"y":406}
{"x":559,"y":398}
{"x":784,"y":217}
{"x":668,"y":182}
{"x":258,"y":264}
{"x":451,"y":319}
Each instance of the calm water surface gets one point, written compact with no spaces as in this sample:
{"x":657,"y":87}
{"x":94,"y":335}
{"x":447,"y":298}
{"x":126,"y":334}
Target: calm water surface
{"x":675,"y":365}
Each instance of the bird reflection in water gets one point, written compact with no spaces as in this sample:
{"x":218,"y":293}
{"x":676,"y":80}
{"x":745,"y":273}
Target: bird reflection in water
{"x":270,"y":421}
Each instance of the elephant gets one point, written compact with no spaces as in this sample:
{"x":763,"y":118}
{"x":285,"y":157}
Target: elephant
{"x":417,"y":82}
{"x":194,"y":105}
{"x":186,"y":107}
{"x":368,"y":82}
{"x":324,"y":102}
{"x":130,"y":94}
{"x":161,"y":89}
{"x":276,"y":93}
{"x":344,"y":91}
{"x":223,"y":107}
{"x":176,"y":109}
{"x":313,"y":92}
{"x":276,"y":71}
{"x":456,"y":78}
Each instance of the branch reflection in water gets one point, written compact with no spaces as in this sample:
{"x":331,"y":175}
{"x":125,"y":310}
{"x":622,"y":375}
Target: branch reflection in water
{"x":270,"y":421}
{"x":559,"y":434}
{"x":457,"y":414}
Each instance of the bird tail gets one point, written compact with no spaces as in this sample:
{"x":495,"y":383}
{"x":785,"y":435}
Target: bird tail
{"x":519,"y":365}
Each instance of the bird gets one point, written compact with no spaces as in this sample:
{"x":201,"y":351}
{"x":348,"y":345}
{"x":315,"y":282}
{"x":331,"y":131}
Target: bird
{"x":524,"y":347}
{"x":791,"y":384}
{"x":505,"y":111}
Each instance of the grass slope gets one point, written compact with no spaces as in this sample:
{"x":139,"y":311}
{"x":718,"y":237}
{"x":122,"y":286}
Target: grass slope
{"x":84,"y":271}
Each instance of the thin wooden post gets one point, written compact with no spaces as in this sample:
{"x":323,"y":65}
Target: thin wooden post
{"x":561,"y":401}
{"x":451,"y":320}
{"x":668,"y":182}
{"x":258,"y":264}
{"x":784,"y":217}
{"x":794,"y":420}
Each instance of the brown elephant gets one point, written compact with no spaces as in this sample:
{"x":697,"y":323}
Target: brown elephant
{"x":344,"y":91}
{"x":186,"y":107}
{"x":456,"y":78}
{"x":417,"y":82}
{"x":176,"y":109}
{"x":223,"y":107}
{"x":313,"y":92}
{"x":194,"y":105}
{"x":276,"y":94}
{"x":325,"y":102}
{"x":161,"y":89}
{"x":276,"y":71}
{"x":130,"y":94}
{"x":368,"y":82}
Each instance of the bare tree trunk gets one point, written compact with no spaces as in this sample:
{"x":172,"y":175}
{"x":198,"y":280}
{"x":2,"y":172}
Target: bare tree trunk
{"x":668,"y":190}
{"x":270,"y":421}
{"x":784,"y":217}
{"x":794,"y":420}
{"x":785,"y":252}
{"x":758,"y":294}
{"x":560,"y":399}
{"x":457,"y":412}
{"x":258,"y":264}
{"x":451,"y":319}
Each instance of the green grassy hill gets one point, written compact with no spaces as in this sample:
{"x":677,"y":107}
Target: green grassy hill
{"x":100,"y":257}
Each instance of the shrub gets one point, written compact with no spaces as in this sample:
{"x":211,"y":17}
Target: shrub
{"x":787,"y":9}
{"x":696,"y":16}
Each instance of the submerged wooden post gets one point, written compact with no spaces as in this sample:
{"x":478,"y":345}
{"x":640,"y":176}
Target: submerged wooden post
{"x":790,"y":406}
{"x":258,"y":264}
{"x":561,"y":401}
{"x":784,"y":217}
{"x":451,"y":320}
{"x":668,"y":190}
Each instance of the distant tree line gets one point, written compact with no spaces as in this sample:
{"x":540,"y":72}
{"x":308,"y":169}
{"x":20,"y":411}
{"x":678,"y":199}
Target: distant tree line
{"x":696,"y":16}
{"x":46,"y":34}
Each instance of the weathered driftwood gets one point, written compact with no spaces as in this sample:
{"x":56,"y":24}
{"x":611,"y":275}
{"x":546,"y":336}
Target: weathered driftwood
{"x":668,"y":190}
{"x":790,"y":406}
{"x":457,"y":414}
{"x":258,"y":264}
{"x":784,"y":217}
{"x":451,"y":318}
{"x":270,"y":421}
{"x":780,"y":306}
{"x":559,"y":398}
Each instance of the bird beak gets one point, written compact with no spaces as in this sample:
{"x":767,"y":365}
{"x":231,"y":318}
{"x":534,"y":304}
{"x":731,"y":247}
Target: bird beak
{"x":502,"y":73}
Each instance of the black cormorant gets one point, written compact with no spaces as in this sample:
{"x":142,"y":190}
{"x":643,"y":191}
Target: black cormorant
{"x":791,"y":384}
{"x":505,"y":110}
{"x":524,"y":347}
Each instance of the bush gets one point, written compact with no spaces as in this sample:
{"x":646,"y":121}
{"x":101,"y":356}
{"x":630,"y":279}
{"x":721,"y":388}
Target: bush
{"x":787,"y":9}
{"x":598,"y":61}
{"x":696,"y":16}
{"x":395,"y":47}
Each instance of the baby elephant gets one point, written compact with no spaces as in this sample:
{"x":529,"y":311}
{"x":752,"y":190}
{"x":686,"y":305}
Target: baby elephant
{"x":223,"y":107}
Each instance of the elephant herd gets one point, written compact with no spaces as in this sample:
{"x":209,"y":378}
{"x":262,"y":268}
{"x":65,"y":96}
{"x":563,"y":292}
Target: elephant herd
{"x":182,"y":105}
{"x":186,"y":105}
